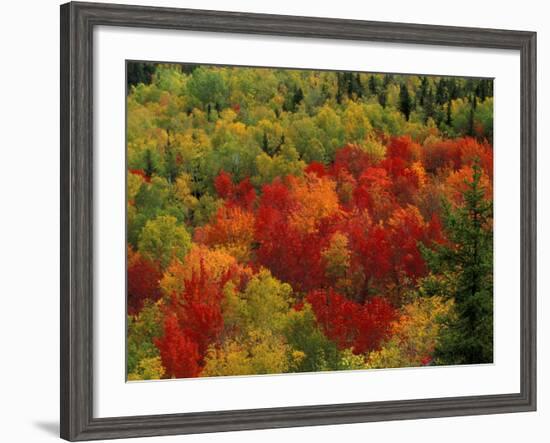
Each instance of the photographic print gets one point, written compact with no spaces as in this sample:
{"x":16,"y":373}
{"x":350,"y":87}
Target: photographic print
{"x":288,"y":221}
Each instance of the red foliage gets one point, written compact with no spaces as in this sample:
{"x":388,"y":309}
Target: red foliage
{"x":179,"y":354}
{"x":194,"y":321}
{"x":442,"y":154}
{"x":199,"y":309}
{"x":143,"y":283}
{"x":362,"y":327}
{"x":291,"y":255}
{"x":403,"y":148}
{"x":141,"y":173}
{"x":224,"y":185}
{"x":242,"y":194}
{"x":472,"y":151}
{"x":406,"y":230}
{"x":373,"y":192}
{"x":374,"y":251}
{"x":316,"y":168}
{"x":353,"y":159}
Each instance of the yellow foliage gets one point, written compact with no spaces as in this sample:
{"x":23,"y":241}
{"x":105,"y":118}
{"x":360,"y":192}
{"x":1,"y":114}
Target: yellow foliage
{"x":182,"y":191}
{"x":316,"y":199}
{"x":414,"y":334}
{"x":356,"y":123}
{"x":133,"y":184}
{"x":217,"y":262}
{"x":260,"y":352}
{"x":457,"y":184}
{"x":374,"y":147}
{"x":232,"y":231}
{"x":265,"y":303}
{"x":148,"y":369}
{"x":337,"y":258}
{"x":420,"y":173}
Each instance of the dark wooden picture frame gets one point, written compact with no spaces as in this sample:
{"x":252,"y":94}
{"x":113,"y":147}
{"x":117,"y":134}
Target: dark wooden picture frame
{"x":77,"y":23}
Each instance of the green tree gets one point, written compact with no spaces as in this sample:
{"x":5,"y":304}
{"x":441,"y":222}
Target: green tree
{"x":405,"y":102}
{"x":465,"y":263}
{"x":141,"y":331}
{"x":208,"y":87}
{"x":305,"y":337}
{"x":139,"y":73}
{"x":163,"y":239}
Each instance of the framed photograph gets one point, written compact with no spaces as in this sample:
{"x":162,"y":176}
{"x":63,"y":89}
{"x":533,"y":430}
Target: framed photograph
{"x":274,"y":221}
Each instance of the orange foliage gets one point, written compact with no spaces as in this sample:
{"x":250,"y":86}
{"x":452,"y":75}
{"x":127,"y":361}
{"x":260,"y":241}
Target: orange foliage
{"x":232,"y":230}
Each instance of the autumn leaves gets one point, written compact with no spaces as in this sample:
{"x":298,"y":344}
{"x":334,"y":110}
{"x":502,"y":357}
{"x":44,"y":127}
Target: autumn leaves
{"x":303,"y":232}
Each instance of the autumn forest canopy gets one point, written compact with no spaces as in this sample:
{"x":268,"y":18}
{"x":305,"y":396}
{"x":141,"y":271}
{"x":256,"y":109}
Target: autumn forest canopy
{"x":286,"y":220}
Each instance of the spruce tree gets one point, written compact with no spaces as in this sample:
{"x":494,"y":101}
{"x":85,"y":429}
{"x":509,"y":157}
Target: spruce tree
{"x":405,"y":102}
{"x":150,"y":167}
{"x":465,"y":266}
{"x":471,"y":117}
{"x":373,"y":84}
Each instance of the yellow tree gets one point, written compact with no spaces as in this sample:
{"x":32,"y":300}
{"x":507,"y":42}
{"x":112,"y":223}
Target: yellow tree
{"x":414,"y":335}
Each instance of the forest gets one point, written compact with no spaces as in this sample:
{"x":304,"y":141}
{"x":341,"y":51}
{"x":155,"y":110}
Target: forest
{"x":285,"y":220}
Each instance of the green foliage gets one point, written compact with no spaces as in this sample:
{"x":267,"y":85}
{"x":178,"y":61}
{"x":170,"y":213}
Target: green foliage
{"x":415,"y":334}
{"x":141,"y":331}
{"x":207,"y":86}
{"x":139,"y":73}
{"x":303,"y":335}
{"x":259,"y":352}
{"x":163,"y":239}
{"x":264,"y":303}
{"x":148,"y":369}
{"x":405,"y":102}
{"x":211,"y":236}
{"x":467,"y":260}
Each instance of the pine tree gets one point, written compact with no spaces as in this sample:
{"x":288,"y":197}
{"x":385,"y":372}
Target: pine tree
{"x":297,"y":98}
{"x":150,"y":168}
{"x":471,"y":117}
{"x":441,"y":92}
{"x":465,"y":263}
{"x":422,"y":91}
{"x":449,"y":120}
{"x":405,"y":102}
{"x":429,"y":104}
{"x":373,"y":84}
{"x":171,"y":167}
{"x":265,"y":143}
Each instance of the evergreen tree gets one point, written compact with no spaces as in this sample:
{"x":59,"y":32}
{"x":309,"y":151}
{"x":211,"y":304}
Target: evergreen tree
{"x":357,"y":86}
{"x":449,"y":119}
{"x":405,"y":102}
{"x":339,"y":86}
{"x":465,"y":264}
{"x":441,"y":92}
{"x":422,"y":91}
{"x":471,"y":117}
{"x":171,"y":167}
{"x":297,"y":98}
{"x":429,"y":104}
{"x":383,"y":98}
{"x":265,"y":143}
{"x":373,"y":84}
{"x":150,"y":167}
{"x":137,"y":73}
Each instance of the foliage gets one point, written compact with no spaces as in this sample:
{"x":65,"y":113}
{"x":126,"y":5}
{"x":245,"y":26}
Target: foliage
{"x":467,"y":260}
{"x":414,"y":334}
{"x":294,"y":220}
{"x":163,"y":240}
{"x":142,"y":330}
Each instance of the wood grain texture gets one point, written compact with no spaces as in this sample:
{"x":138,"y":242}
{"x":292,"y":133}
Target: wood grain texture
{"x":77,"y":23}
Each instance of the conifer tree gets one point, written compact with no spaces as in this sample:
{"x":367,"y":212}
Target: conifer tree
{"x":405,"y":102}
{"x":465,"y":264}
